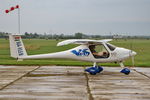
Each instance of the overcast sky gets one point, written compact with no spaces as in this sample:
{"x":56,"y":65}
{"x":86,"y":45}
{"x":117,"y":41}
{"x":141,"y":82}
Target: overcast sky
{"x":126,"y":17}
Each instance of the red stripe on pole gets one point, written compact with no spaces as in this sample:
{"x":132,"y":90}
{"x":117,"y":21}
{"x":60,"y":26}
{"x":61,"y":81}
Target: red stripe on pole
{"x":6,"y":11}
{"x":12,"y":8}
{"x":17,"y":6}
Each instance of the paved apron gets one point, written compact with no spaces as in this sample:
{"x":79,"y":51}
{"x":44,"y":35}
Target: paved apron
{"x":72,"y":83}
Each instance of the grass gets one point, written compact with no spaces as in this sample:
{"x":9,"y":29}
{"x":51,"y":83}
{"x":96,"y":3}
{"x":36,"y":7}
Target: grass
{"x":40,"y":46}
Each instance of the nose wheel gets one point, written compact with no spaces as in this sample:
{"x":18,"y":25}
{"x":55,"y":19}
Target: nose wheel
{"x":126,"y":71}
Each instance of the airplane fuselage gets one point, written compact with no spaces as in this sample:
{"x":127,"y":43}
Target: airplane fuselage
{"x":83,"y":53}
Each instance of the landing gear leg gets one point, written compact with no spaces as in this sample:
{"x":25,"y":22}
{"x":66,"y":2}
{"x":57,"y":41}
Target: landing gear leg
{"x":126,"y":71}
{"x":94,"y":70}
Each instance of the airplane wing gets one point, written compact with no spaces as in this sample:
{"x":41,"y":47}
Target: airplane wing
{"x":82,"y":41}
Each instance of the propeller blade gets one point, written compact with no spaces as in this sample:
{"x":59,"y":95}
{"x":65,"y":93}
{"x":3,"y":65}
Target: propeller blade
{"x":133,"y":62}
{"x":130,"y":53}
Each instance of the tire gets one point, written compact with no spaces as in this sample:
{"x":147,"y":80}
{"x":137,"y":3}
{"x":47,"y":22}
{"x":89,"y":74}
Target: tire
{"x":92,"y":73}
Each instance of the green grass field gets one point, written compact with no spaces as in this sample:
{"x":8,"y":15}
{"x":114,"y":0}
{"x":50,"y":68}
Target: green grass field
{"x":39,"y":46}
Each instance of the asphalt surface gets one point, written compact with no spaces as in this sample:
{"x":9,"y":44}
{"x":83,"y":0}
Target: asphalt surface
{"x":72,"y":83}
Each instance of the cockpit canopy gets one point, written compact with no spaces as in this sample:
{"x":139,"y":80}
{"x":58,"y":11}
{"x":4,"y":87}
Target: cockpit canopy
{"x":111,"y":47}
{"x":100,"y":50}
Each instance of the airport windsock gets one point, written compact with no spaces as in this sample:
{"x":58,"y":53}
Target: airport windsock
{"x":12,"y":8}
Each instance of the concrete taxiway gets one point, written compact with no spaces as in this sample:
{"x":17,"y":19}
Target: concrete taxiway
{"x":72,"y":83}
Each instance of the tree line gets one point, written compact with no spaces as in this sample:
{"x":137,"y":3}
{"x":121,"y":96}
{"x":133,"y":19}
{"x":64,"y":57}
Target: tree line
{"x":51,"y":36}
{"x":78,"y":35}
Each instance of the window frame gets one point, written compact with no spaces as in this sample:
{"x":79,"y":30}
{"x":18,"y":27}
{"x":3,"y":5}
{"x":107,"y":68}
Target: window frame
{"x":110,"y":46}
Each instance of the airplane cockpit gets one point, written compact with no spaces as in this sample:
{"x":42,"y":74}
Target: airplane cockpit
{"x":101,"y":51}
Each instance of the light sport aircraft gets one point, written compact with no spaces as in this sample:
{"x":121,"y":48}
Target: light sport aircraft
{"x":96,"y":51}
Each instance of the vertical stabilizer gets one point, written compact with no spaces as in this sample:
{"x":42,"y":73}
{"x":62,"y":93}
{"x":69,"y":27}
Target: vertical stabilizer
{"x":17,"y":48}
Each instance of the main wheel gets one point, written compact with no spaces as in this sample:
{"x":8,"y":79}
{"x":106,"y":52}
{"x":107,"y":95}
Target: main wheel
{"x":93,"y":73}
{"x":91,"y":70}
{"x":99,"y":69}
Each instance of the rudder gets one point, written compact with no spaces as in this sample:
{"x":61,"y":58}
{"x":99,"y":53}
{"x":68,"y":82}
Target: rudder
{"x":17,"y":48}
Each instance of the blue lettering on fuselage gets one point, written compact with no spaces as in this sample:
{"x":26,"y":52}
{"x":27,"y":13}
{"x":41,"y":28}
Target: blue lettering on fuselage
{"x":81,"y":52}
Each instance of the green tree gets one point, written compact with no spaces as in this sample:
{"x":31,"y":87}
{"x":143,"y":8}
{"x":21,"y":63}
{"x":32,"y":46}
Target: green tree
{"x":79,"y":35}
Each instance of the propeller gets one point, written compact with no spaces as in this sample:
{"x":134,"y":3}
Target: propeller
{"x":132,"y":54}
{"x":133,"y":62}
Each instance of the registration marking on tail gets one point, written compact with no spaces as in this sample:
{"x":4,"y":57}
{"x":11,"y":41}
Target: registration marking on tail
{"x":19,"y":46}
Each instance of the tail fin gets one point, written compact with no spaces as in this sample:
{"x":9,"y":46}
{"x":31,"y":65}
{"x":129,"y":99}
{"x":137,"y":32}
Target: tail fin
{"x":17,"y":48}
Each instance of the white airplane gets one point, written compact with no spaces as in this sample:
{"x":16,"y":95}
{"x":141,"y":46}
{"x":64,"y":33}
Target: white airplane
{"x":96,"y":51}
